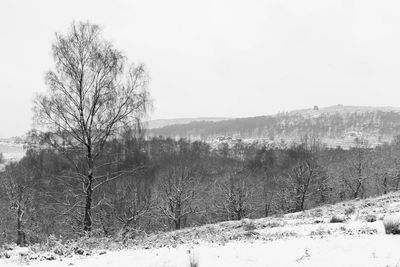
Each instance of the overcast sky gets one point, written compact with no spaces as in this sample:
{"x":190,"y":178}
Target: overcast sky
{"x":216,"y":58}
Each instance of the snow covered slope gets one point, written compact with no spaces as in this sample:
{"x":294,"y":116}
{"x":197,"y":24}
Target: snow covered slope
{"x":306,"y":238}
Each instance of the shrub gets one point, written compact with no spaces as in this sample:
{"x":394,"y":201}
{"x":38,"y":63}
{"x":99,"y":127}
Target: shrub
{"x":248,"y":225}
{"x":317,"y":212}
{"x":338,"y":219}
{"x":370,"y":218}
{"x":274,"y":224}
{"x":251,"y":233}
{"x":349,"y":210}
{"x":320,"y":232}
{"x":392,"y":224}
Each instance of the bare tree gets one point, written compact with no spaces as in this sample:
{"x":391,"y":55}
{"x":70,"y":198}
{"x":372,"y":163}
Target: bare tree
{"x":265,"y":162}
{"x":17,"y":183}
{"x":136,"y":204}
{"x":359,"y":168}
{"x":236,"y":192}
{"x":178,"y":189}
{"x":268,"y":194}
{"x":384,"y":169}
{"x":179,"y":180}
{"x":92,"y":93}
{"x":302,"y":175}
{"x":306,"y":171}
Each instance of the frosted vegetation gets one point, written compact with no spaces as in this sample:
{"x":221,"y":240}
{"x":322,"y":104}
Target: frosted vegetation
{"x":308,"y":238}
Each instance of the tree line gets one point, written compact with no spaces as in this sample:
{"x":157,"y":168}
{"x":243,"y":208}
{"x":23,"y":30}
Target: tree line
{"x":165,"y":184}
{"x":380,"y":124}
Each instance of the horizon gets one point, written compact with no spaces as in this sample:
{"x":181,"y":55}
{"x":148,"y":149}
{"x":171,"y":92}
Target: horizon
{"x":233,"y":118}
{"x":281,"y":111}
{"x":216,"y":58}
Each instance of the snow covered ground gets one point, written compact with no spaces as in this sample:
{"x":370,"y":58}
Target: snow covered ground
{"x":369,"y":250}
{"x":306,"y":238}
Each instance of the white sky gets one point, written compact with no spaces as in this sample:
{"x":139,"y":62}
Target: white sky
{"x":216,"y":58}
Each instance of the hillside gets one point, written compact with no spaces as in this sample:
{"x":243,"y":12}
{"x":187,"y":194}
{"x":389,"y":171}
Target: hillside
{"x":308,"y":238}
{"x":336,"y":126}
{"x":166,"y":122}
{"x":341,"y":109}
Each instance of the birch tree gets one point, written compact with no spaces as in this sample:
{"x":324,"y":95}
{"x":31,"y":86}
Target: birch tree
{"x":93,"y":91}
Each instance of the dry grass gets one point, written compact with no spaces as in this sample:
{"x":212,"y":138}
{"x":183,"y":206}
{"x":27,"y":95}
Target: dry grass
{"x":338,"y":219}
{"x":248,"y":225}
{"x":392,"y":224}
{"x":193,"y":259}
{"x":370,"y":218}
{"x":84,"y":246}
{"x":350,"y":210}
{"x":310,"y":223}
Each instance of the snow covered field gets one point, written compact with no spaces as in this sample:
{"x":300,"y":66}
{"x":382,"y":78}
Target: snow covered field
{"x":370,"y":250}
{"x":306,"y":238}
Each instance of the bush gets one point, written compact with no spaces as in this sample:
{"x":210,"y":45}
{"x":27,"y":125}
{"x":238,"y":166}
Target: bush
{"x":317,"y":212}
{"x":82,"y":246}
{"x":370,"y":218}
{"x":350,"y":210}
{"x":273,"y":224}
{"x":392,"y":224}
{"x":338,"y":219}
{"x":248,"y":225}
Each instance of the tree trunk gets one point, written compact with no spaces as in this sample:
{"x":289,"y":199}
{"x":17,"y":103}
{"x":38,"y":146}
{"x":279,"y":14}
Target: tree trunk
{"x":21,"y":240}
{"x":87,"y":221}
{"x":178,"y":216}
{"x":266,"y":210}
{"x":300,"y":197}
{"x":357,"y":191}
{"x":397,"y":181}
{"x":303,"y":199}
{"x":239,"y":215}
{"x":385,"y":185}
{"x":177,"y":224}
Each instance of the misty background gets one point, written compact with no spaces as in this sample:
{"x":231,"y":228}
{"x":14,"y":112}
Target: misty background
{"x":216,"y":58}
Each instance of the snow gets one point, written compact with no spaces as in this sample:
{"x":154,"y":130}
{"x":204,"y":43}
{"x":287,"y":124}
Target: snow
{"x":363,"y":251}
{"x":297,"y":239}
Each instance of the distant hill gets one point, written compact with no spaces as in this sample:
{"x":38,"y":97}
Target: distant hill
{"x":341,"y":109}
{"x":336,"y":126}
{"x":11,"y":152}
{"x":165,"y":122}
